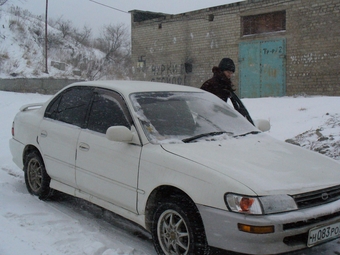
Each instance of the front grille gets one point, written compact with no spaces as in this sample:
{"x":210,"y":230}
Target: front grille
{"x":309,"y":222}
{"x":318,"y":197}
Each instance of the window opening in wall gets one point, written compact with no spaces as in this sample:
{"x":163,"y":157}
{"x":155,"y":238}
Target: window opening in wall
{"x":264,"y":23}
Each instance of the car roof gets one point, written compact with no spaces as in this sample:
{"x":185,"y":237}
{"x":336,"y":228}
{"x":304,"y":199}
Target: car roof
{"x":127,"y":87}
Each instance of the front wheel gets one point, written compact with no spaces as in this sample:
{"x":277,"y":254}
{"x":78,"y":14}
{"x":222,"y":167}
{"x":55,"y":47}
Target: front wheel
{"x":36,"y":178}
{"x":178,"y":229}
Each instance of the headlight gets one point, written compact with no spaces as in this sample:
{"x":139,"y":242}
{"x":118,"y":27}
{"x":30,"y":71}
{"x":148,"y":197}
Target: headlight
{"x":243,"y":204}
{"x":277,"y":203}
{"x":260,"y":205}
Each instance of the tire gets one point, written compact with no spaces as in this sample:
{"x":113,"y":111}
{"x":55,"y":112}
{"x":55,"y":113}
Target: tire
{"x":36,"y":178}
{"x":177,"y":228}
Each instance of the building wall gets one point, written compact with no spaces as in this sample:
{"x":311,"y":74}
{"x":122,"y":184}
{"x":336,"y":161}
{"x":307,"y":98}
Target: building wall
{"x":183,"y":48}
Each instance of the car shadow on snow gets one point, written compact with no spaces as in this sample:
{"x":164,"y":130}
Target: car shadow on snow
{"x":89,"y":210}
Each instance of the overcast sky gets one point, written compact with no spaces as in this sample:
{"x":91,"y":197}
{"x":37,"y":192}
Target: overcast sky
{"x":97,"y":13}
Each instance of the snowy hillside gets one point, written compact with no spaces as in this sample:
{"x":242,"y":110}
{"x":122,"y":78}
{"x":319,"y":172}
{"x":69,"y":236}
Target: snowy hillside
{"x":22,"y":49}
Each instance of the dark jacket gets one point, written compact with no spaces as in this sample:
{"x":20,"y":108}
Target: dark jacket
{"x":219,"y":84}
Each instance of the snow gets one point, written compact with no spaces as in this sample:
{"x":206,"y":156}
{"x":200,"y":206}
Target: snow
{"x":72,"y":226}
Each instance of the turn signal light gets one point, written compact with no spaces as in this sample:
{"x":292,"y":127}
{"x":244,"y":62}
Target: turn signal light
{"x":256,"y":229}
{"x":246,"y":203}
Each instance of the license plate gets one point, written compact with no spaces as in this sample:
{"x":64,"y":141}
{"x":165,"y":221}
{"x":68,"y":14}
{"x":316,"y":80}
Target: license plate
{"x":322,"y":234}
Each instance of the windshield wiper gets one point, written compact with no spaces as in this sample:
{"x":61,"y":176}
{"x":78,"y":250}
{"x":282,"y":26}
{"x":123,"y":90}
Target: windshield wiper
{"x":249,"y":133}
{"x":190,"y":139}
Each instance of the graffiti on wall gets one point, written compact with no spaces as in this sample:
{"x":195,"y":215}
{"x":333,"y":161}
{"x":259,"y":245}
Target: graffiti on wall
{"x":168,"y":72}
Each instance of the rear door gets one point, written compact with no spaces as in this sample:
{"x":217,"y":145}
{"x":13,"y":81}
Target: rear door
{"x":106,"y":169}
{"x":59,"y":132}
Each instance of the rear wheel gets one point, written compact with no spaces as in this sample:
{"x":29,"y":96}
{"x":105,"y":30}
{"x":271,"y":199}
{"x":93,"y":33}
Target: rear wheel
{"x":177,"y":228}
{"x":36,"y":178}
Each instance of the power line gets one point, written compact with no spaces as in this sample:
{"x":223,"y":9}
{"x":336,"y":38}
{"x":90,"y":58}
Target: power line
{"x":109,"y":6}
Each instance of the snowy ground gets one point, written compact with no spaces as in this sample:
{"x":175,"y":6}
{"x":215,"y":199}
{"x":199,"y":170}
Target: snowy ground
{"x":73,"y":227}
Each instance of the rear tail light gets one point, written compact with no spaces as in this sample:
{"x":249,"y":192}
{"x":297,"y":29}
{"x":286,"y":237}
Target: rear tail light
{"x":13,"y":128}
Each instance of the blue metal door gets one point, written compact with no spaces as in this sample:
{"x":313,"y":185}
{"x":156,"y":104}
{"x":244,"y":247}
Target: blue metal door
{"x":262,"y":68}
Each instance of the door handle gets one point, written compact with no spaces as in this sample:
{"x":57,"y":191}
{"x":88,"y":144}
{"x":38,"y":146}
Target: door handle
{"x":43,"y":133}
{"x":84,"y":147}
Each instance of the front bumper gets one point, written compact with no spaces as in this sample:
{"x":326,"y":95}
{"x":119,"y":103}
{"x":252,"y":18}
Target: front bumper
{"x":17,"y":150}
{"x":291,"y":228}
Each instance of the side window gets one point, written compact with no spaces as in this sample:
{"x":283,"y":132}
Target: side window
{"x":71,"y":106}
{"x":106,"y":111}
{"x":52,"y":109}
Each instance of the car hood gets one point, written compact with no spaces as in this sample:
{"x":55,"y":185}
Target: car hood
{"x":263,"y":164}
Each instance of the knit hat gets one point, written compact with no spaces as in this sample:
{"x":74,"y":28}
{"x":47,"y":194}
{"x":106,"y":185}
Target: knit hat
{"x":227,"y":64}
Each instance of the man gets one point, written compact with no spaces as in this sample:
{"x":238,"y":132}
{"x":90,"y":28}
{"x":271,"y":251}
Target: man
{"x":220,"y":84}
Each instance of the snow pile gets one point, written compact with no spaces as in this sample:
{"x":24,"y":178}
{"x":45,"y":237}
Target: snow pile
{"x":310,"y":122}
{"x":325,"y":139}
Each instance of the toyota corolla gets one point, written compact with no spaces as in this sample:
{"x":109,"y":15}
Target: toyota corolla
{"x":180,"y":162}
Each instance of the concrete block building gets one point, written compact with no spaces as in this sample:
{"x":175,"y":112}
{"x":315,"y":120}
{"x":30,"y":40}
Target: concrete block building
{"x":280,"y":47}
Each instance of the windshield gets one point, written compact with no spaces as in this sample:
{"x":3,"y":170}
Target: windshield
{"x":172,"y":117}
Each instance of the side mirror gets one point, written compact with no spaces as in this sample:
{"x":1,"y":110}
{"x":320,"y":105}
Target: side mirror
{"x":119,"y":134}
{"x":263,"y":125}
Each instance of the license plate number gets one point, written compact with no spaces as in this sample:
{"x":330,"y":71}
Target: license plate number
{"x":322,"y":234}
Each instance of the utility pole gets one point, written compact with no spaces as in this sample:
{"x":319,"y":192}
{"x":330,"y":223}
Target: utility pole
{"x":46,"y":41}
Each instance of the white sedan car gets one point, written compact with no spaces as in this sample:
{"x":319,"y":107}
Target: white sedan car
{"x":181,"y":163}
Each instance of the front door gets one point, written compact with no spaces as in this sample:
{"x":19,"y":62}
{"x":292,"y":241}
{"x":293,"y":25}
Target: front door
{"x":106,"y":169}
{"x":262,"y":68}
